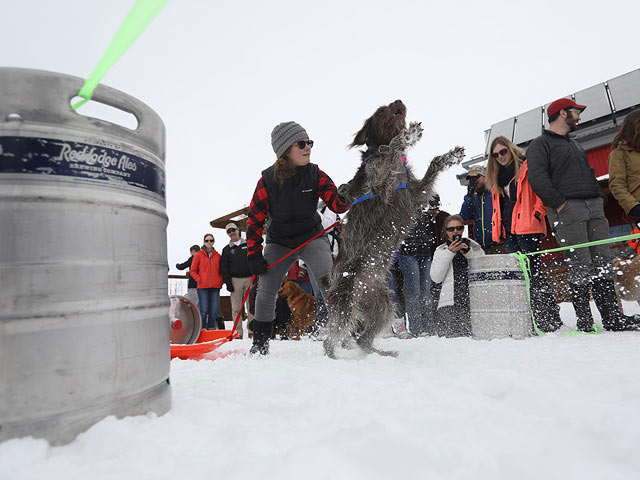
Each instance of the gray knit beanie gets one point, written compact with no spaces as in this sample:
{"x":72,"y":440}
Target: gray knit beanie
{"x":283,"y":136}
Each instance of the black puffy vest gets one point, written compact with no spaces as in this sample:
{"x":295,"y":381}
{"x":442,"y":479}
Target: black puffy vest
{"x":293,"y":216}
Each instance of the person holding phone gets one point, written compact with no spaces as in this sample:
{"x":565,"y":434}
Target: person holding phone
{"x":450,"y":267}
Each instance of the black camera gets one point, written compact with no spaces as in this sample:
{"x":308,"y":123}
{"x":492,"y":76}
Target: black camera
{"x":457,"y":236}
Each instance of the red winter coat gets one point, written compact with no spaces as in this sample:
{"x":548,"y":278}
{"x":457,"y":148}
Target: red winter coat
{"x":528,"y":212}
{"x":205,"y":269}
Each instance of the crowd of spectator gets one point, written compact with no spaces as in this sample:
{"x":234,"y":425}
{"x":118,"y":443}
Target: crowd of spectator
{"x":510,"y":206}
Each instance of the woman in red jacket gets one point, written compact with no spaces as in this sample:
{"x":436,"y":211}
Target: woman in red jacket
{"x":519,"y":222}
{"x":205,"y":269}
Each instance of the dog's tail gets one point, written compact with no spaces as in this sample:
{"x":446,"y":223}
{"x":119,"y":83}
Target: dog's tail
{"x":440,"y":164}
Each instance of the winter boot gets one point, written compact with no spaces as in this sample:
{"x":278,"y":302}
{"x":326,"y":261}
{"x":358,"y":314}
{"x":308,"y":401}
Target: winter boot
{"x":580,"y":298}
{"x":401,"y":329}
{"x":604,"y":294}
{"x":387,"y":331}
{"x":261,"y":336}
{"x":545,"y":309}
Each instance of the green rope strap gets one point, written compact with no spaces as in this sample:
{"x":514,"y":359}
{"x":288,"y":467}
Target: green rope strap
{"x":140,"y":16}
{"x":523,"y":262}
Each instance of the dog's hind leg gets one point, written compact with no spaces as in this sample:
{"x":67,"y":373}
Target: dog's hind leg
{"x":341,"y":315}
{"x":376,"y":310}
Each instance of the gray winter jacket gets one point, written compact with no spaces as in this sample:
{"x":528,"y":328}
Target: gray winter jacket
{"x":559,"y":170}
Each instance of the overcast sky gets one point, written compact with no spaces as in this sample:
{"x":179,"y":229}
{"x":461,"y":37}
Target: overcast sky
{"x":223,"y":74}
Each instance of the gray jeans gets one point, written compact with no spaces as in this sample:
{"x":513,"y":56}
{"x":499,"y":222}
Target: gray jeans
{"x":316,"y":256}
{"x":582,"y":221}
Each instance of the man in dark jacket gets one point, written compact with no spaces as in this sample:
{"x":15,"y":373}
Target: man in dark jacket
{"x":192,"y":286}
{"x":236,"y":273}
{"x":560,"y":174}
{"x":478,"y":206}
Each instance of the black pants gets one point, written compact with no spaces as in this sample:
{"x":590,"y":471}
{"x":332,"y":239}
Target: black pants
{"x":453,"y":321}
{"x":545,"y":309}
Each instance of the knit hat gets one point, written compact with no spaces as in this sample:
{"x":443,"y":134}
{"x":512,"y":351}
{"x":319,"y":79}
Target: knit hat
{"x":231,"y":225}
{"x":283,"y":136}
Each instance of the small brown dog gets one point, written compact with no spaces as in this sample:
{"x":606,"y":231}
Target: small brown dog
{"x":302,"y":306}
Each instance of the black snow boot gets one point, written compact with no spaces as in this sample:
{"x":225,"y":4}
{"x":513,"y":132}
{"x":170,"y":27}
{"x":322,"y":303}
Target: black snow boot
{"x":604,"y":294}
{"x":580,"y":299}
{"x":261,"y":336}
{"x":545,"y":309}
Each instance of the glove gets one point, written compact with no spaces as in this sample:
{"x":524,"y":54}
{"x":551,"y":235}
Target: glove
{"x":257,"y":264}
{"x":178,"y":266}
{"x":635,"y":211}
{"x":229,"y":287}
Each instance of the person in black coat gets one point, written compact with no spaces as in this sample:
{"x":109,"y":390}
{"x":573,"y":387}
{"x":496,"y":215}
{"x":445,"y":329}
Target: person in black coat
{"x":192,"y":287}
{"x":236,"y":273}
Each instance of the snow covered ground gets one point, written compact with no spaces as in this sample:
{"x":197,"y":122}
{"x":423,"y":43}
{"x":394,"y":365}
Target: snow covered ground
{"x":551,"y":407}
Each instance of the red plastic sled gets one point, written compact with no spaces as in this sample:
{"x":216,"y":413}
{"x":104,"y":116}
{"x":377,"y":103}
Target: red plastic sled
{"x":207,"y":341}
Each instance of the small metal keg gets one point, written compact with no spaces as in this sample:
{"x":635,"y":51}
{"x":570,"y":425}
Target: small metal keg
{"x":83,"y":260}
{"x":498,"y":298}
{"x":185,"y":320}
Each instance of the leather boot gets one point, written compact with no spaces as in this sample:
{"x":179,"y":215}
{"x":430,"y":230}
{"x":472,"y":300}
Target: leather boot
{"x":580,"y":300}
{"x":261,"y":336}
{"x":604,"y":294}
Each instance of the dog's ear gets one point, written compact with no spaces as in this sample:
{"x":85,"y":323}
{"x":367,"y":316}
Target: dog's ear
{"x":361,"y":137}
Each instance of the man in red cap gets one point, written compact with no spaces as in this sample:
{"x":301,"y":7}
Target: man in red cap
{"x":561,"y":176}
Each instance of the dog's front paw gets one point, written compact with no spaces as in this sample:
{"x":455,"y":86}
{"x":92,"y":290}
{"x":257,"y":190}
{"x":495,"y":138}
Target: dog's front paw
{"x":413,"y":133}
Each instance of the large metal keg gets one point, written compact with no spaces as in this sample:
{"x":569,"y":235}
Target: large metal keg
{"x":83,"y":260}
{"x":498,"y":298}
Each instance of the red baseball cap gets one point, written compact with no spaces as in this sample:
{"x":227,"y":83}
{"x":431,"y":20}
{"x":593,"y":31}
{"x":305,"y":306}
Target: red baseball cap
{"x":561,"y":104}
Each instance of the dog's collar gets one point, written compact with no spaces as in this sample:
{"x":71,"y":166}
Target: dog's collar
{"x":293,"y":305}
{"x":400,"y":186}
{"x":381,"y":149}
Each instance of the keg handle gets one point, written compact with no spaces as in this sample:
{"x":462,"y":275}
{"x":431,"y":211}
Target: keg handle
{"x":121,"y":101}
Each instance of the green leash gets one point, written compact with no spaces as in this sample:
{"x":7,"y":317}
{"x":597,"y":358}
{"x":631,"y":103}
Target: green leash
{"x":523,"y":262}
{"x":140,"y":16}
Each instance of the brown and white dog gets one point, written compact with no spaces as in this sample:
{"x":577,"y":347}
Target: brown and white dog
{"x":302,"y":306}
{"x":384,"y":196}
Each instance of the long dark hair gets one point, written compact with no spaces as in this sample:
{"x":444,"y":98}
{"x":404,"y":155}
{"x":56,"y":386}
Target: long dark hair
{"x":629,"y":132}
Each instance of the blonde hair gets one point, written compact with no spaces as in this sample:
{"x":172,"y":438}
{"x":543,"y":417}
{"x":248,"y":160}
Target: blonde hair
{"x":493,"y":166}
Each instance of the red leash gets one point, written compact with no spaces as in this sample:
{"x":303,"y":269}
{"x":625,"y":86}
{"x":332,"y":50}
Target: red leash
{"x":253,"y":277}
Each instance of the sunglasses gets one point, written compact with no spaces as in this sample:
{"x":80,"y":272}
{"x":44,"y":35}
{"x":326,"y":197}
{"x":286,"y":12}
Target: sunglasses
{"x":501,"y":153}
{"x":303,"y":143}
{"x":458,"y":228}
{"x":208,"y":240}
{"x":231,"y":230}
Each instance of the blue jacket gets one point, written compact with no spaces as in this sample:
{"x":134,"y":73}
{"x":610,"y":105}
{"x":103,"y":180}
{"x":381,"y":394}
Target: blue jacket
{"x":479,"y":208}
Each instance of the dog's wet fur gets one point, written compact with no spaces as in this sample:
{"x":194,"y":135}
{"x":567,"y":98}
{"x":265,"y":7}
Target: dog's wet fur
{"x":359,"y":301}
